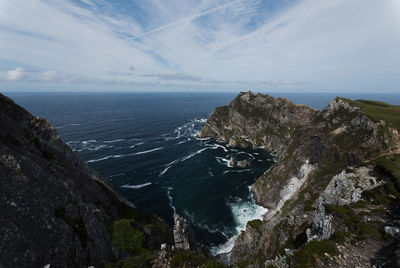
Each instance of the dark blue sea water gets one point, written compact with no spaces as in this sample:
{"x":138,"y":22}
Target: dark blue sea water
{"x":145,"y":145}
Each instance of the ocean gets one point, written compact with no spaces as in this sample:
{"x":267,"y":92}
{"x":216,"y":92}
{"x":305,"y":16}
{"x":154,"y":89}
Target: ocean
{"x":145,"y":145}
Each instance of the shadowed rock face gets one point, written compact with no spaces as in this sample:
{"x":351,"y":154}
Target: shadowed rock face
{"x":54,"y":209}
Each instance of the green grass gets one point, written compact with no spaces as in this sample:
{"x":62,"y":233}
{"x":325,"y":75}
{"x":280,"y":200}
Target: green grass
{"x":308,"y":254}
{"x":187,"y":258}
{"x":342,"y":211}
{"x":392,"y":165}
{"x":379,"y":111}
{"x":126,"y":237}
{"x":256,"y":225}
{"x":340,"y":236}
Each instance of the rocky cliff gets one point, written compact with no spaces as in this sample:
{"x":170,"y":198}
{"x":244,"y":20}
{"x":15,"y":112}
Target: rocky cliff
{"x":331,"y":165}
{"x":55,"y":210}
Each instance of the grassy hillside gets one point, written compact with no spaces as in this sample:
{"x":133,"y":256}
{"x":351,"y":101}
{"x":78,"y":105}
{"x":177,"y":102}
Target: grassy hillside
{"x":380,"y":111}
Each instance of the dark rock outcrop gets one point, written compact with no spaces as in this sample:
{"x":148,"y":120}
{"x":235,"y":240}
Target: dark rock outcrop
{"x":54,"y":208}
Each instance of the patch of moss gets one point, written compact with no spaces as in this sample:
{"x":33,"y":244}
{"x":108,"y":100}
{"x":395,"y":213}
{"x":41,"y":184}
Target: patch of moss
{"x":340,"y":236}
{"x":126,"y":237}
{"x":133,"y":262}
{"x":360,"y":229}
{"x":256,"y":225}
{"x":379,"y":211}
{"x":308,"y":254}
{"x":342,"y":211}
{"x":378,"y":196}
{"x":379,"y":111}
{"x":392,"y":165}
{"x":187,"y":258}
{"x":360,"y":204}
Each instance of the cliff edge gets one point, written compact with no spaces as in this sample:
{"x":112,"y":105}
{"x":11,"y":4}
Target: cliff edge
{"x":327,"y":161}
{"x":55,"y":210}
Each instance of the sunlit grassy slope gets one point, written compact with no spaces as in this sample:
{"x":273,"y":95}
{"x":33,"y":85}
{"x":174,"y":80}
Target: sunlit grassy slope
{"x":380,"y":111}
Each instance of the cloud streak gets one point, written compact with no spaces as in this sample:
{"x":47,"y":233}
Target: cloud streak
{"x":228,"y":45}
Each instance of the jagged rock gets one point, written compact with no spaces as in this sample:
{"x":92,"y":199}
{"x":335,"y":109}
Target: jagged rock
{"x":183,"y":234}
{"x":232,"y":161}
{"x":163,"y":246}
{"x":243,"y":164}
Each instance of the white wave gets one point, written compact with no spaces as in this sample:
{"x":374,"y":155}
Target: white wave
{"x":202,"y":120}
{"x":136,"y":186}
{"x":149,"y":151}
{"x":198,"y":223}
{"x":216,"y":146}
{"x":170,"y":198}
{"x":68,"y":125}
{"x":224,"y":161}
{"x":201,"y":139}
{"x":105,"y":158}
{"x":236,"y":170}
{"x":123,"y":155}
{"x":137,"y":144}
{"x":242,"y":212}
{"x":182,"y":142}
{"x":88,"y":145}
{"x":210,"y":173}
{"x":186,"y":157}
{"x":116,"y":175}
{"x":112,"y":141}
{"x":164,"y":171}
{"x":252,"y":156}
{"x":189,"y":129}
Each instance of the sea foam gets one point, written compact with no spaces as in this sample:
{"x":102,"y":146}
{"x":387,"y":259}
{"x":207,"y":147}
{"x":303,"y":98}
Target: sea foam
{"x":243,"y":212}
{"x":136,"y":186}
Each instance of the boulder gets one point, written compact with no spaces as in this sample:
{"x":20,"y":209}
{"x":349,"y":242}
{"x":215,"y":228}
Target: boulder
{"x":183,"y":234}
{"x":243,"y":164}
{"x":233,"y":161}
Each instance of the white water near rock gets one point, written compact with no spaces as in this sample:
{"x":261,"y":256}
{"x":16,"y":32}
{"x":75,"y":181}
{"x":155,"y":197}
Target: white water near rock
{"x":216,"y":146}
{"x":243,"y":212}
{"x":170,"y":198}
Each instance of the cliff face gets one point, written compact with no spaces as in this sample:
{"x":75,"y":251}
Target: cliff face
{"x":55,"y":209}
{"x":258,"y":121}
{"x":315,"y":153}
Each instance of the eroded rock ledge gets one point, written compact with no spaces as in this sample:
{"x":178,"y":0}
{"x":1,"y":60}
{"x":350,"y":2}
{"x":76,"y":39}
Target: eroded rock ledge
{"x":315,"y":152}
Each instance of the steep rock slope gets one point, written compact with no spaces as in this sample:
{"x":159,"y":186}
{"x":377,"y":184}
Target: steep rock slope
{"x":315,"y":151}
{"x":54,"y":208}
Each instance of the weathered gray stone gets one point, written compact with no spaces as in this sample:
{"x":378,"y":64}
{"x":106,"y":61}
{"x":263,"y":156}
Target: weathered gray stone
{"x":183,"y":234}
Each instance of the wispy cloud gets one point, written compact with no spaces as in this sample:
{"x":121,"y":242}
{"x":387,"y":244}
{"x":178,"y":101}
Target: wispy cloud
{"x":277,"y":44}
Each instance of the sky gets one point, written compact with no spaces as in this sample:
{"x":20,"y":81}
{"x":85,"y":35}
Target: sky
{"x":200,"y":45}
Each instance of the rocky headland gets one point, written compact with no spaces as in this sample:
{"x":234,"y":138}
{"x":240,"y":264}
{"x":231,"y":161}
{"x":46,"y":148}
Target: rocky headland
{"x":333,"y":194}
